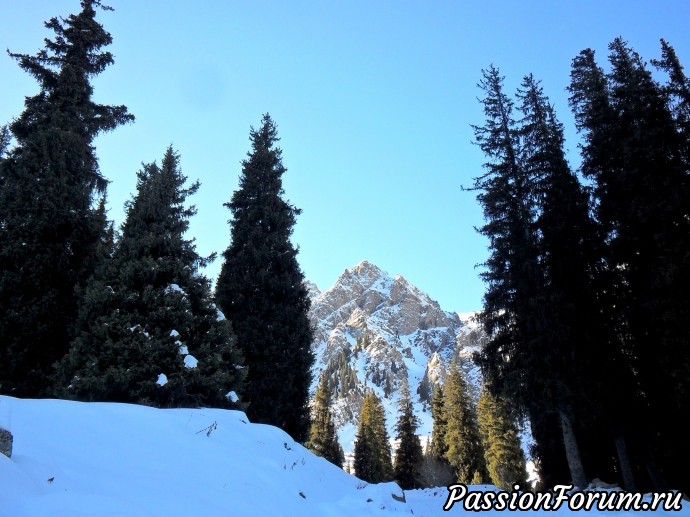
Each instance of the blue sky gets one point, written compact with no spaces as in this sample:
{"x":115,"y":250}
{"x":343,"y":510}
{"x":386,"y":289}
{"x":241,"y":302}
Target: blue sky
{"x":373,"y":101}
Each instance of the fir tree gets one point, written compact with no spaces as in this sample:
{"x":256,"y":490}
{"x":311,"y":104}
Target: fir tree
{"x":372,"y":460}
{"x":505,"y":460}
{"x":148,"y":330}
{"x":408,"y":455}
{"x":464,"y":447}
{"x":261,"y":289}
{"x":323,"y":440}
{"x":49,"y":227}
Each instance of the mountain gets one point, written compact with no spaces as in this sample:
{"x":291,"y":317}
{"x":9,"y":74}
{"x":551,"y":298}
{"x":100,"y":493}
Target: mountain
{"x":372,"y":331}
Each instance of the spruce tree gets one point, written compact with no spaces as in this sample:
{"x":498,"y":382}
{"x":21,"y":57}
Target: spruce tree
{"x":408,"y":455}
{"x":435,"y":470}
{"x":464,"y":447}
{"x":505,"y":460}
{"x":437,"y":447}
{"x":323,"y":440}
{"x":634,"y":152}
{"x":513,"y":362}
{"x":571,"y":257}
{"x":372,"y":461}
{"x":148,"y":330}
{"x":261,"y":290}
{"x":50,"y":181}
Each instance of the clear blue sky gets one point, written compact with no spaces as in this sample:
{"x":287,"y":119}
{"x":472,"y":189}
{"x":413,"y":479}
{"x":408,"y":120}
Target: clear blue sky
{"x":373,"y":101}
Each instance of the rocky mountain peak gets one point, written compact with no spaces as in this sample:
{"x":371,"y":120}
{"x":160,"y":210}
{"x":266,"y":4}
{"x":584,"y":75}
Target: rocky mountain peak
{"x":373,"y":331}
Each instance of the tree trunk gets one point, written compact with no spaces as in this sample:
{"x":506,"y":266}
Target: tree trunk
{"x":572,"y":452}
{"x":624,"y":461}
{"x":654,"y":471}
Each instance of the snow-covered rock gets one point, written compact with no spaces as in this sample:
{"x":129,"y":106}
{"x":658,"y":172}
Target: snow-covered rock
{"x":373,"y":330}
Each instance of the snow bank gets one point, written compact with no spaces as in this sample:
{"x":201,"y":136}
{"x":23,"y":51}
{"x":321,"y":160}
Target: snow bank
{"x":94,"y":459}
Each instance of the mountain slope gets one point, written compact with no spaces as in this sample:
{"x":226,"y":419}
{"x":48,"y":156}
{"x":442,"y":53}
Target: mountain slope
{"x":373,"y":331}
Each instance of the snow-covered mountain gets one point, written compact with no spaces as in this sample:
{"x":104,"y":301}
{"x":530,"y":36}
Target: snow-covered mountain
{"x":372,"y":331}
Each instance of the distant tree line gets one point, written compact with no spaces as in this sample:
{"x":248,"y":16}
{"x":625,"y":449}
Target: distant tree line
{"x":90,"y":312}
{"x":586,"y":301}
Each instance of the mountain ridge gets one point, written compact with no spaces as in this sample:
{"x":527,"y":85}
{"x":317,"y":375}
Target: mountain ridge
{"x":374,"y":331}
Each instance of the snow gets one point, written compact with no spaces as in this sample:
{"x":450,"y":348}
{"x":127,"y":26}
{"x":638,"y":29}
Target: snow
{"x":92,"y":459}
{"x":232,"y":396}
{"x":162,"y":379}
{"x":174,"y":288}
{"x":190,"y":361}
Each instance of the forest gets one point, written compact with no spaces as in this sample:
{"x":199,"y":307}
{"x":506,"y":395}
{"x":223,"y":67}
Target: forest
{"x":586,"y":279}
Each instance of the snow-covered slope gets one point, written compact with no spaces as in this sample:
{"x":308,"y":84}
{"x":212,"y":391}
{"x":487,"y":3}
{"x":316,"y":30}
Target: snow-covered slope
{"x":372,"y":331}
{"x":73,"y":459}
{"x":77,"y":459}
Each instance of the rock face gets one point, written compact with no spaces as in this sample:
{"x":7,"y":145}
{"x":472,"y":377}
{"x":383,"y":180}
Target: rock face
{"x":372,"y":331}
{"x":6,"y":443}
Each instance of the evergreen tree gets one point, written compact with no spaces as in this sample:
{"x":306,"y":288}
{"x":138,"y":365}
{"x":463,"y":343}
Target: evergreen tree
{"x":261,"y":290}
{"x":437,"y":447}
{"x":464,"y":447}
{"x":372,"y":460}
{"x":408,"y":455}
{"x":323,"y":439}
{"x":49,"y":228}
{"x":571,"y":257}
{"x":148,"y":330}
{"x":515,"y":362}
{"x":677,"y":93}
{"x":435,"y":469}
{"x":505,"y":460}
{"x":634,"y":152}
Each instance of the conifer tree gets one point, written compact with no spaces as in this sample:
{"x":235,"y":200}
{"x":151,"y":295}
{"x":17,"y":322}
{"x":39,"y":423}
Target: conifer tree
{"x":505,"y":460}
{"x":50,"y":182}
{"x":323,"y":440}
{"x":435,"y":469}
{"x":634,"y":152}
{"x":408,"y":455}
{"x":148,"y":330}
{"x":464,"y":447}
{"x":372,"y":461}
{"x":437,"y":447}
{"x":513,"y":315}
{"x":677,"y":93}
{"x":261,"y":290}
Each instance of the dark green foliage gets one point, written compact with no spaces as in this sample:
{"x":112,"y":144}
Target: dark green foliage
{"x":516,"y":361}
{"x":505,"y":460}
{"x":323,"y":439}
{"x":372,"y":460}
{"x":261,"y":290}
{"x":408,"y":455}
{"x":437,"y":447}
{"x":435,"y":469}
{"x":148,"y":310}
{"x":464,"y":450}
{"x":635,"y":152}
{"x":50,"y":229}
{"x":342,"y":375}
